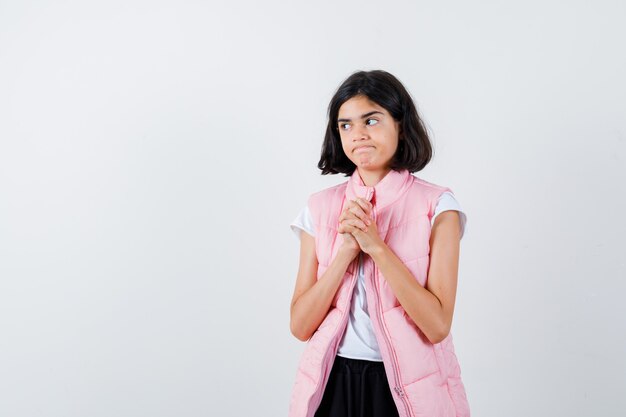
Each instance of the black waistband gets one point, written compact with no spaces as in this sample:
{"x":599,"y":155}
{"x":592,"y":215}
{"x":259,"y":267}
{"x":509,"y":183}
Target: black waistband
{"x":343,"y":364}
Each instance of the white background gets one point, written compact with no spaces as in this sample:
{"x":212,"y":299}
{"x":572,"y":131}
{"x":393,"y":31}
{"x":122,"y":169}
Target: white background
{"x":153,"y":154}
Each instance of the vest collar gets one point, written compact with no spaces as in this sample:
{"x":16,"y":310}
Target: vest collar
{"x":385,"y":192}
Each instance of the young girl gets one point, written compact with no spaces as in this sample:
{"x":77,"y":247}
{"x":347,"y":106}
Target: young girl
{"x":376,"y":304}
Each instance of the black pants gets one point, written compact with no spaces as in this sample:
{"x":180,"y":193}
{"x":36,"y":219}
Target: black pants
{"x":357,"y":388}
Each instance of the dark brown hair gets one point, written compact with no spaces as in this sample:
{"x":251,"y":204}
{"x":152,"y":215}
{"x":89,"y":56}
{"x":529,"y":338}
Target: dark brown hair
{"x":414,"y":147}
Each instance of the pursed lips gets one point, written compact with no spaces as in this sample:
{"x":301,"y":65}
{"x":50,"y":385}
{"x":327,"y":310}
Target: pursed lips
{"x":364,"y":147}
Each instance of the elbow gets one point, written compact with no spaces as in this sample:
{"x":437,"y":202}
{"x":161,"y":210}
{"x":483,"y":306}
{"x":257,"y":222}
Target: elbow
{"x":298,"y":335}
{"x":295,"y":328}
{"x":297,"y":332}
{"x":440,"y":336}
{"x":441,"y":331}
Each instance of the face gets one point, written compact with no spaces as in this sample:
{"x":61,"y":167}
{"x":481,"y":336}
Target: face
{"x":369,"y":134}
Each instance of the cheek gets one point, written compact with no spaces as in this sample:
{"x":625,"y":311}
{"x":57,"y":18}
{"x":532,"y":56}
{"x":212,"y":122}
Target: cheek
{"x":343,"y":146}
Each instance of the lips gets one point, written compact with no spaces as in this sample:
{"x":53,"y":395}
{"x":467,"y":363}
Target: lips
{"x":362,"y":148}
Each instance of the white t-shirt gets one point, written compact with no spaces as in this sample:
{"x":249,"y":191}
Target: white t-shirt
{"x":359,"y":340}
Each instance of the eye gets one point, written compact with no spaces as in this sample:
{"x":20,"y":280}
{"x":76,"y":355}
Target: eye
{"x":341,"y":125}
{"x":374,"y":120}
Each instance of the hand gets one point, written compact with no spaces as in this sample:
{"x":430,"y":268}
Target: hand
{"x":350,"y":244}
{"x":356,"y":220}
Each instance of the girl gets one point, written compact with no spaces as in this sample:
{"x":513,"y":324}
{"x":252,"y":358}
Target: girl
{"x":376,"y":305}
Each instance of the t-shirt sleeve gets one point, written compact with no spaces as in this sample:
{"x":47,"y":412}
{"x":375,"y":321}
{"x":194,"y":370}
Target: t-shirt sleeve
{"x":447,"y":201}
{"x":303,"y":221}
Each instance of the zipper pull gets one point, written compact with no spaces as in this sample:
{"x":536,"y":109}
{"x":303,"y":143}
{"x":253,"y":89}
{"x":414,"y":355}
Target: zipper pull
{"x":399,"y":391}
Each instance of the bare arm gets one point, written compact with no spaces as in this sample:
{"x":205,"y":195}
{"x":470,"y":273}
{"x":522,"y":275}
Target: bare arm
{"x":431,"y":308}
{"x":312,"y":297}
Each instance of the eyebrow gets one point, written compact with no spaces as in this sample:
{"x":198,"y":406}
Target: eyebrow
{"x":363,"y":116}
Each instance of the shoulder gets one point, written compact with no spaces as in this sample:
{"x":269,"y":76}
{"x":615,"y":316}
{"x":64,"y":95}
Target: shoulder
{"x":430,"y":192}
{"x":324,"y":205}
{"x":320,"y":197}
{"x":429,"y":186}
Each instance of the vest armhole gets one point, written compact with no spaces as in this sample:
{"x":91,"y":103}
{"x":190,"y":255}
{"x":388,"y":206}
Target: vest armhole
{"x":435,"y":199}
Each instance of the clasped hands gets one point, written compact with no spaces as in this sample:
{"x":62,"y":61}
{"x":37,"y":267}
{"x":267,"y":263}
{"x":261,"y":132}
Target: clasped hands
{"x":357,"y":227}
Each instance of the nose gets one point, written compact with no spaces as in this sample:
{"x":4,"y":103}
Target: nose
{"x":359,"y":133}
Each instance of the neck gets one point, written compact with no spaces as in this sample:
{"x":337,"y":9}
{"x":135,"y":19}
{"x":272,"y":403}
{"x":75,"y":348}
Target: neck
{"x":371,"y":178}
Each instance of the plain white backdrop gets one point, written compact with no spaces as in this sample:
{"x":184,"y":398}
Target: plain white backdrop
{"x":153,"y":154}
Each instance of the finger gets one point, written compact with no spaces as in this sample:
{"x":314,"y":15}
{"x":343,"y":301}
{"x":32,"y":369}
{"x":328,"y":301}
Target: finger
{"x":358,"y":212}
{"x":353,"y":230}
{"x":342,"y":225}
{"x":347,"y":216}
{"x":353,"y":222}
{"x":350,"y":229}
{"x":352,"y":210}
{"x":357,"y":223}
{"x":345,"y":213}
{"x":364,"y":204}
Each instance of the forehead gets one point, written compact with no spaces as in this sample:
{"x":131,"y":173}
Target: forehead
{"x":358,"y":105}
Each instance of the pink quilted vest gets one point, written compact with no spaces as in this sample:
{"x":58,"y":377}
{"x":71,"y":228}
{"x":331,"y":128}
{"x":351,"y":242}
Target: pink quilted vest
{"x":425,"y":378}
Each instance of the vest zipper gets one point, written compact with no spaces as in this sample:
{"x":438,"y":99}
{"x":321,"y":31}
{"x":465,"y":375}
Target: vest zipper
{"x":396,"y":373}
